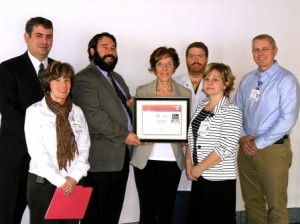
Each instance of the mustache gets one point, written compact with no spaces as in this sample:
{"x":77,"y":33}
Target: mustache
{"x":100,"y":61}
{"x":196,"y":63}
{"x":109,"y":56}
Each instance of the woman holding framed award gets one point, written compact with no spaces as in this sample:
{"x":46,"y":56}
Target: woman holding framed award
{"x":158,"y":165}
{"x":211,"y":153}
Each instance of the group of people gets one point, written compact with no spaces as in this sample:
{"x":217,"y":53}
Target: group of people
{"x":59,"y":129}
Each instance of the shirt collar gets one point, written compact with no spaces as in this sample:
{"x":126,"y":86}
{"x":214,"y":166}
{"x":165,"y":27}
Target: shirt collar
{"x":36,"y":63}
{"x":102,"y":71}
{"x":262,"y":76}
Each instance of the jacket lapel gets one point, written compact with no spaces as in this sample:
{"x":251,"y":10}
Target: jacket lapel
{"x":97,"y":72}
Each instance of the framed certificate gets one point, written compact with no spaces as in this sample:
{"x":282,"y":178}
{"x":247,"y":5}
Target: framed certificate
{"x":161,"y":119}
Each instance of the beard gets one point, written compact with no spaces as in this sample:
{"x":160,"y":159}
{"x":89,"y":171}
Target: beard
{"x":200,"y":67}
{"x":100,"y":62}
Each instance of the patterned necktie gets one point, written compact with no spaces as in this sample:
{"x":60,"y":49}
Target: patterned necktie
{"x":41,"y":74}
{"x":120,"y":94}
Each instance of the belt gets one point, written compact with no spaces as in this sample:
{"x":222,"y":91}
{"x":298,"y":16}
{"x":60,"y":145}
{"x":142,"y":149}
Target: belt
{"x":39,"y":179}
{"x":281,"y":141}
{"x":43,"y":180}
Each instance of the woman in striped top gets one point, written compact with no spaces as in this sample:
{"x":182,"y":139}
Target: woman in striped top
{"x":213,"y":136}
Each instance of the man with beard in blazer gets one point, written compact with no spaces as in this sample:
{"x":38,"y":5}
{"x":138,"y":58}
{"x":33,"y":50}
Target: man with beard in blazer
{"x":19,"y":88}
{"x":96,"y":89}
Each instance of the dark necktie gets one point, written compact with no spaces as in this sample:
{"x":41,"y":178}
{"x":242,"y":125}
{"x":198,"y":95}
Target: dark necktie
{"x":120,"y":94}
{"x":41,"y":74}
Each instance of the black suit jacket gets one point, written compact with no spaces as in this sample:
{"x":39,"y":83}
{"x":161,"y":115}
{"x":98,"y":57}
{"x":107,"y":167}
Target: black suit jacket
{"x":19,"y":88}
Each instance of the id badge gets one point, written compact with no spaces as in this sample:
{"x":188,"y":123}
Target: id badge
{"x":76,"y":127}
{"x":254,"y":96}
{"x":204,"y":128}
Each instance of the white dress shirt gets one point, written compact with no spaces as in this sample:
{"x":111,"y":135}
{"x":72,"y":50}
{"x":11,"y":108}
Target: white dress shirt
{"x":36,"y":63}
{"x":40,"y":133}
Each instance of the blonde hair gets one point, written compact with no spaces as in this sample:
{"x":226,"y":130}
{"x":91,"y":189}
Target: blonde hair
{"x":226,"y":73}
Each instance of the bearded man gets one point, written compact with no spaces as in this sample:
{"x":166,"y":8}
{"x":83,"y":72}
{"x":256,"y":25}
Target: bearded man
{"x":102,"y":95}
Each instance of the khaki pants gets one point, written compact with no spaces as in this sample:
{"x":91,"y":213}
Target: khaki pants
{"x":264,"y":180}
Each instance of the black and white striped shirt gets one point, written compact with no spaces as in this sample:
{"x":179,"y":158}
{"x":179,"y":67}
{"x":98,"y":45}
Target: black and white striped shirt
{"x":224,"y":127}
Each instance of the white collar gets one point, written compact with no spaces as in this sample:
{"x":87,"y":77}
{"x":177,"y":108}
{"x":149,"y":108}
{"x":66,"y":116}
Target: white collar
{"x":36,"y":63}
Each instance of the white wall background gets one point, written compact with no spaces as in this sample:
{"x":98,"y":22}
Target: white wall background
{"x":140,"y":26}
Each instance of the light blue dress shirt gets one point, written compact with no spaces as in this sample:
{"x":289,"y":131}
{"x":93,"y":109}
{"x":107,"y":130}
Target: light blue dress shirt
{"x":275,"y":112}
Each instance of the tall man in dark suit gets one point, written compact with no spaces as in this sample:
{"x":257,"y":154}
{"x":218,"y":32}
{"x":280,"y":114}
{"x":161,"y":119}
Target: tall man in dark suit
{"x":96,"y":89}
{"x":19,"y":88}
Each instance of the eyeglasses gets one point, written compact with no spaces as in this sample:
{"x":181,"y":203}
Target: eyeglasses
{"x":161,"y":64}
{"x":262,"y":50}
{"x":196,"y":56}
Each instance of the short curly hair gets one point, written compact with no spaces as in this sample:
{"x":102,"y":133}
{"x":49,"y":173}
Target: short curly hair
{"x":163,"y":52}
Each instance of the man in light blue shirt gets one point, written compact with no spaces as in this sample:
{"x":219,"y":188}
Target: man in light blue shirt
{"x":269,"y":100}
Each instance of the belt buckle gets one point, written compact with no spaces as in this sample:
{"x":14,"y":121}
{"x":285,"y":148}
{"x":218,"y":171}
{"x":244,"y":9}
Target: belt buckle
{"x":40,"y":180}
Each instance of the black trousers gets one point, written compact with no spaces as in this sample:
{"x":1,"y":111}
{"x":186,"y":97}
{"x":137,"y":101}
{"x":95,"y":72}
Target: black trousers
{"x":181,"y":207}
{"x":13,"y":185}
{"x":212,"y":202}
{"x":39,"y":197}
{"x":157,"y":186}
{"x":108,"y":194}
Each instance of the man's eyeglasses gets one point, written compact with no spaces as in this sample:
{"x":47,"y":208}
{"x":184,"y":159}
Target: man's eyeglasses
{"x":262,"y":50}
{"x":196,"y":56}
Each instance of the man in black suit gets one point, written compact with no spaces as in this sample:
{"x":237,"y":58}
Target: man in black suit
{"x":19,"y":88}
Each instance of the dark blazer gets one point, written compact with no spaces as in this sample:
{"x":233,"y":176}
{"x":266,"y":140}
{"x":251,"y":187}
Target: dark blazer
{"x":140,"y":154}
{"x":19,"y":88}
{"x":105,"y":115}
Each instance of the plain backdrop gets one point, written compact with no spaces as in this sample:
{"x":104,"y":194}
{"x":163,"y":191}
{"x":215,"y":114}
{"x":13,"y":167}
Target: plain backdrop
{"x":140,"y":26}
